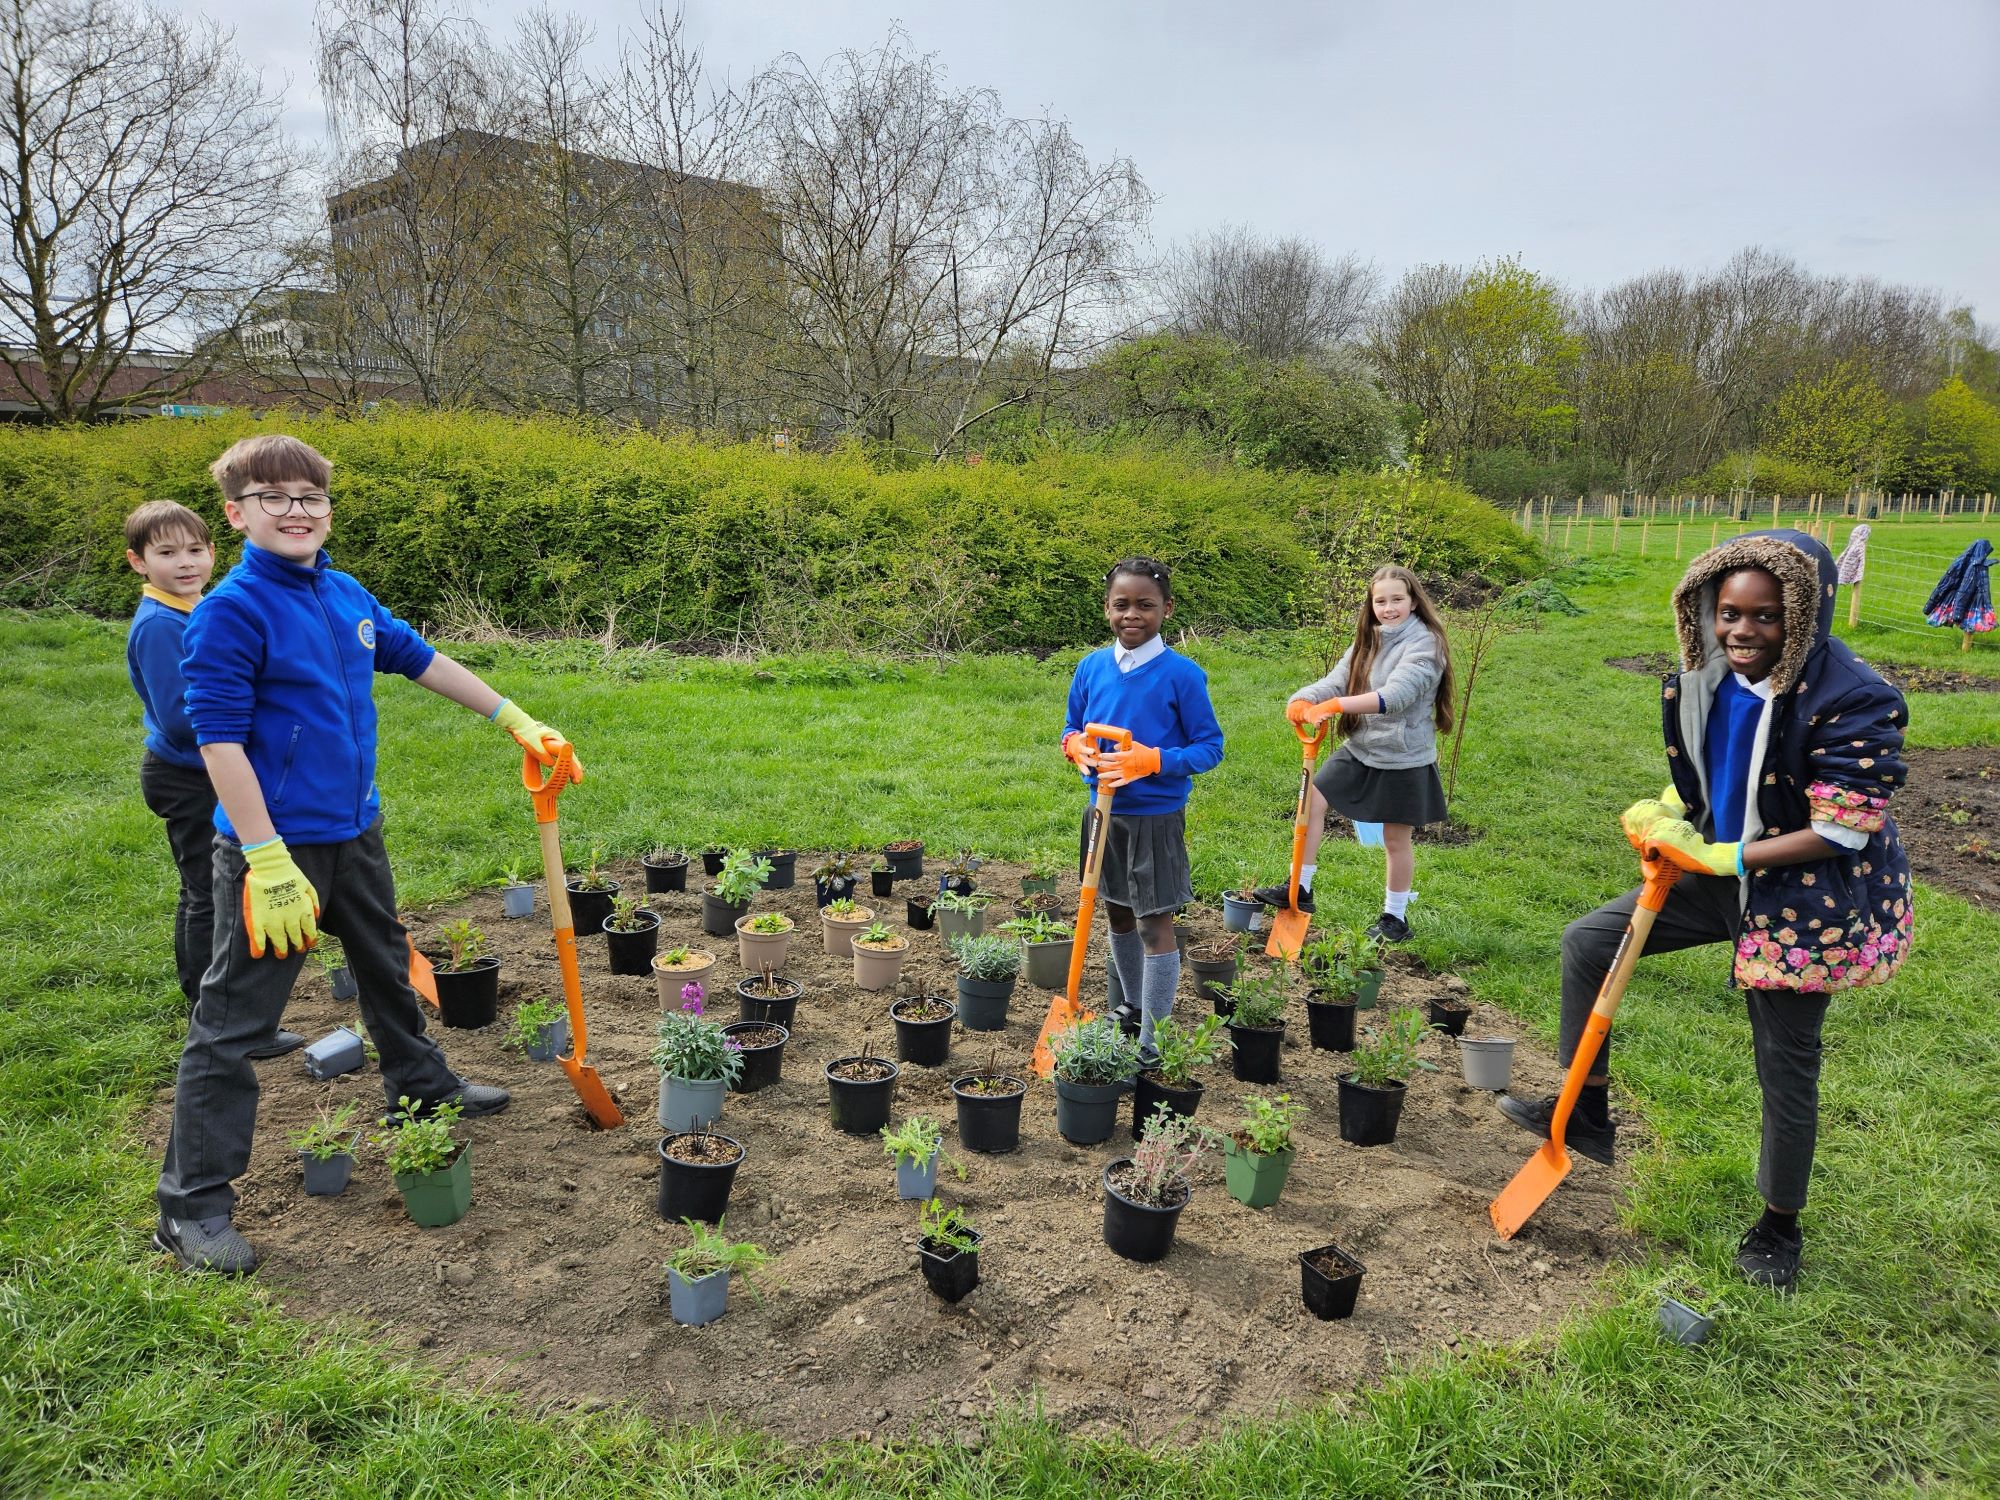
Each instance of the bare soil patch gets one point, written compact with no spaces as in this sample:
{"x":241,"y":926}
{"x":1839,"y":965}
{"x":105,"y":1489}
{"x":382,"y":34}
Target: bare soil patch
{"x":1948,"y":814}
{"x":552,"y":1286}
{"x":1903,"y":676}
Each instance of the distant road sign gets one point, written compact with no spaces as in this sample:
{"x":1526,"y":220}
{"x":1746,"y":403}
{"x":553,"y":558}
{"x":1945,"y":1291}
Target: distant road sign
{"x":174,"y":409}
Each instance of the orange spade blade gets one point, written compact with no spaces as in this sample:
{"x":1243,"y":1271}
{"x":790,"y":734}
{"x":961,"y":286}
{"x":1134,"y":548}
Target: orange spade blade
{"x":1539,"y":1176}
{"x":422,"y":979}
{"x":1288,"y":934}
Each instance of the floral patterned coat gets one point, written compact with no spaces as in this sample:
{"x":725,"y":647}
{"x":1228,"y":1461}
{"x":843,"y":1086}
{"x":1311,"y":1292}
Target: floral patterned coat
{"x":1832,"y":754}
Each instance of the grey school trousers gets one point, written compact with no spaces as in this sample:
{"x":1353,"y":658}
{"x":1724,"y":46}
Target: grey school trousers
{"x":182,"y":798}
{"x":243,"y":999}
{"x":1784,"y":1024}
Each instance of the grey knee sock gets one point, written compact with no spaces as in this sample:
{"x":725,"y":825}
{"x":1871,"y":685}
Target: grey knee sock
{"x":1163,"y":977}
{"x":1128,"y":954}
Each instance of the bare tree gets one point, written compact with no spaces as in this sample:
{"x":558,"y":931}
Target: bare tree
{"x":1280,"y":299}
{"x":147,"y":186}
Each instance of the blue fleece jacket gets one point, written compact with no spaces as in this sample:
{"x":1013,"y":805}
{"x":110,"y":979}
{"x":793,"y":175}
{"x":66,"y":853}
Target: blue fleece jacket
{"x":281,"y":659}
{"x":153,"y":657}
{"x":1165,"y":704}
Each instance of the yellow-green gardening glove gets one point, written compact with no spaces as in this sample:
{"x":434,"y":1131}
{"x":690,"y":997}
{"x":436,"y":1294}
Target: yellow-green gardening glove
{"x":1681,"y":843}
{"x":280,"y":907}
{"x":536,"y":737}
{"x":1638,"y":819}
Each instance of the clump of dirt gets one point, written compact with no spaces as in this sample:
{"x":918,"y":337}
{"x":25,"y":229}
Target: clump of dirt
{"x":553,"y":1284}
{"x":1948,"y":814}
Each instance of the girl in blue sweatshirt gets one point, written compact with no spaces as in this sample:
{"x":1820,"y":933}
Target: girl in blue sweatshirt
{"x":1139,"y":683}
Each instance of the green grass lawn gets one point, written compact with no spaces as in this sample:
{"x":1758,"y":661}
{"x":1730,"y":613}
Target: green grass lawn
{"x":118,"y":1377}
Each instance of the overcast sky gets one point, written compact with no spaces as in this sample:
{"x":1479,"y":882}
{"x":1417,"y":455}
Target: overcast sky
{"x":1594,"y":138}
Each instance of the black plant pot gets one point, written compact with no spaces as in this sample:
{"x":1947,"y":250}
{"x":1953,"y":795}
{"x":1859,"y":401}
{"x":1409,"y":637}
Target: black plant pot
{"x":907,"y":864}
{"x":982,"y":1003}
{"x":712,"y":860}
{"x":1211,"y":976}
{"x":1253,"y":1052}
{"x":882,"y":882}
{"x":989,"y":1123}
{"x":1330,"y":1024}
{"x":468,"y":997}
{"x":861,"y":1106}
{"x":1087,"y":1113}
{"x":1450,"y":1018}
{"x":762,"y":1066}
{"x":773,"y":1010}
{"x":784,"y":868}
{"x":840,"y":888}
{"x":718,"y":917}
{"x":923,"y":1044}
{"x":964,"y":885}
{"x":661,"y":879}
{"x":696,"y":1190}
{"x":588,"y":909}
{"x":1138,"y":1231}
{"x":921,"y":914}
{"x":1150,"y":1096}
{"x":632,"y":952}
{"x":1329,"y":1296}
{"x":948,"y":1272}
{"x":1368,"y":1115}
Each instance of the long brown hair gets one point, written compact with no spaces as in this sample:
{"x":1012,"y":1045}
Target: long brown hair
{"x":1367,"y":635}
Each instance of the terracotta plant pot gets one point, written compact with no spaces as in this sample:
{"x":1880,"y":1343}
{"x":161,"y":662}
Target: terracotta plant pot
{"x":669,"y":981}
{"x":763,"y":950}
{"x":838,"y":932}
{"x":879,"y":967}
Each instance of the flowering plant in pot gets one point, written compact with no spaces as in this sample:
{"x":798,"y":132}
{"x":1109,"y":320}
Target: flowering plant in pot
{"x":917,"y":1148}
{"x":923,"y":1029}
{"x":698,"y":1275}
{"x":540,"y":1030}
{"x":1045,"y":869}
{"x":326,"y":1150}
{"x":676,"y":968}
{"x":728,"y":898}
{"x":632,"y":933}
{"x":878,"y":956}
{"x":987,"y":969}
{"x":839,"y":920}
{"x":1047,"y":942}
{"x":1168,"y":1087}
{"x":947,"y":1250}
{"x":1257,"y":1023}
{"x":1145,"y":1192}
{"x":666,"y":867}
{"x":468,"y":979}
{"x":1095,"y":1063}
{"x":696,"y":1061}
{"x":764,"y":941}
{"x":960,"y":913}
{"x":590,"y":893}
{"x":432,"y":1168}
{"x":1257,"y":1155}
{"x":1371,"y":1097}
{"x":517,"y":895}
{"x":833,"y":880}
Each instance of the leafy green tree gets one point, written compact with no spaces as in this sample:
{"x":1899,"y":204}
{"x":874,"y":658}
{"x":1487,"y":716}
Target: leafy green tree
{"x":1957,"y":440}
{"x":1840,"y":422}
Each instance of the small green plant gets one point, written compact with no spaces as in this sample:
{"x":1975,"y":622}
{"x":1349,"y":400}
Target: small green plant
{"x":1096,"y":1052}
{"x":328,"y":955}
{"x":1389,"y":1052}
{"x":881,"y":866}
{"x":466,"y":942}
{"x":1163,"y":1162}
{"x":666,"y":854}
{"x":673,"y":957}
{"x":594,"y":877}
{"x":625,"y":915}
{"x":714,"y":848}
{"x":1266,"y":1126}
{"x":1046,"y":864}
{"x":419,"y":1144}
{"x":1260,"y":999}
{"x":946,"y":1228}
{"x":835,"y":867}
{"x":1362,"y":950}
{"x":989,"y":956}
{"x":915,"y":1140}
{"x":743,"y":875}
{"x":710,"y":1250}
{"x":1037,"y":927}
{"x":879,"y":935}
{"x":1329,"y":969}
{"x":769,"y":923}
{"x":966,"y":865}
{"x":530,"y":1017}
{"x":957,"y":901}
{"x":1182,"y":1049}
{"x":516,"y":872}
{"x":331,"y":1134}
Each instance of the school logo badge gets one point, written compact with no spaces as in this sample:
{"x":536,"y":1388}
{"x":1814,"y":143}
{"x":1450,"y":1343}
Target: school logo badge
{"x":366,"y":630}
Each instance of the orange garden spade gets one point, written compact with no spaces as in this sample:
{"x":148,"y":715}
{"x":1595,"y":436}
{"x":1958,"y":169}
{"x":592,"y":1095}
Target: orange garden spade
{"x":1288,"y":927}
{"x":1550,"y":1164}
{"x":546,"y":786}
{"x":1064,"y":1011}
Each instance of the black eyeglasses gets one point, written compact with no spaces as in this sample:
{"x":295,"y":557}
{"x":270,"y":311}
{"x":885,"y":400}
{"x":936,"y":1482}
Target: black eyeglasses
{"x":278,"y":503}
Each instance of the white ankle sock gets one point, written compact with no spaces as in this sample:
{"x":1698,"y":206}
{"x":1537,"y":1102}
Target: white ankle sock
{"x":1306,"y":876}
{"x":1396,"y":903}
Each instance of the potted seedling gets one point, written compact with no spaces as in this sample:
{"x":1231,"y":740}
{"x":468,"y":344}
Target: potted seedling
{"x":1258,"y":1154}
{"x":728,"y":899}
{"x":783,"y":862}
{"x":590,"y":895}
{"x":1047,"y":943}
{"x":906,"y":857}
{"x":1168,"y":1087}
{"x":1242,"y":911}
{"x":839,"y":920}
{"x":698,"y":1275}
{"x":917,"y":1148}
{"x":678,"y":967}
{"x":1215,"y":965}
{"x":987,"y":969}
{"x":959,"y":914}
{"x":1183,"y":933}
{"x":1487,"y":1062}
{"x":761,"y":1045}
{"x":1333,"y":993}
{"x":922,"y":911}
{"x":697,"y":1063}
{"x":1371,"y":1097}
{"x":764,"y":941}
{"x":861,"y":1088}
{"x":697,"y":1169}
{"x":878,"y":956}
{"x":1044,"y":873}
{"x":769,"y":998}
{"x":1039,"y":904}
{"x":1450,"y":1010}
{"x":666,"y":869}
{"x":326,"y":1150}
{"x":1145,"y":1192}
{"x":1329,"y":1281}
{"x":882,"y":878}
{"x":632,"y":932}
{"x":1094,"y":1065}
{"x":432,"y":1168}
{"x":834,"y":879}
{"x":989,"y":1108}
{"x":962,"y":874}
{"x":468,"y":980}
{"x":947,"y":1250}
{"x":540,"y":1030}
{"x":923,"y":1029}
{"x":1364,"y":956}
{"x":1257,"y":1023}
{"x":333,"y":963}
{"x":713,"y":856}
{"x":517,"y":895}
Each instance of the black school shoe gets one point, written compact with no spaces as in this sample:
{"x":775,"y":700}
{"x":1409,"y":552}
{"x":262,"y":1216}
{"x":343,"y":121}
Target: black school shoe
{"x":278,"y":1046}
{"x":473,"y":1099}
{"x":1768,"y":1258}
{"x":1389,"y":929}
{"x":1580,"y":1135}
{"x":1280,"y":896}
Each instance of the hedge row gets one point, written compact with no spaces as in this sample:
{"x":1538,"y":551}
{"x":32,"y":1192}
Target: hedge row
{"x":538,"y":525}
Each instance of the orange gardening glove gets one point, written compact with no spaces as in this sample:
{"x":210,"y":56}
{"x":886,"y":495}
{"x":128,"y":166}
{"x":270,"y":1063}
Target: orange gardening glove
{"x":1300,"y":710}
{"x":1080,"y":750}
{"x":1116,"y":768}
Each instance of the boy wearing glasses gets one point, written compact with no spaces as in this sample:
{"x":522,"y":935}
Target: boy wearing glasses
{"x":280,"y":661}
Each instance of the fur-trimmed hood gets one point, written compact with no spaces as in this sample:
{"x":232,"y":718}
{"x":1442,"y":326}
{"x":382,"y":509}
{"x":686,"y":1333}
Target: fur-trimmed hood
{"x":1807,"y":576}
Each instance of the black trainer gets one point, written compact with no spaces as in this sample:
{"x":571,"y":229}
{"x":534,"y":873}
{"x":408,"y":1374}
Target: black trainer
{"x":1280,"y":896}
{"x":210,"y":1244}
{"x":1767,"y":1258}
{"x":473,"y":1099}
{"x":1389,"y":929}
{"x":1581,"y":1136}
{"x":278,"y":1046}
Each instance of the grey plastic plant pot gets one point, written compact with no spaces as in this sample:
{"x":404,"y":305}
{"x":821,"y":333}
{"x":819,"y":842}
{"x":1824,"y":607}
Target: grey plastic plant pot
{"x":688,"y":1102}
{"x":339,"y":1051}
{"x":517,"y":901}
{"x":551,"y":1040}
{"x":1048,"y":963}
{"x":1239,"y":915}
{"x":982,"y":1003}
{"x":1683,"y":1324}
{"x":1487,"y":1062}
{"x":956,"y":924}
{"x":918,"y":1179}
{"x":326,"y":1176}
{"x":694,"y":1303}
{"x":1087,"y":1113}
{"x":345,"y":985}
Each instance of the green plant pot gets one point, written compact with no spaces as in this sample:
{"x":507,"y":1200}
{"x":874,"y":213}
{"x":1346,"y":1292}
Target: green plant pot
{"x":1370,"y":991}
{"x":1254,"y":1180}
{"x":435,"y":1199}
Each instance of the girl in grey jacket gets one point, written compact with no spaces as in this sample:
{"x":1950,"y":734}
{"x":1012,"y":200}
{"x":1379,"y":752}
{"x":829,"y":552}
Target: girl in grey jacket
{"x":1392,"y":690}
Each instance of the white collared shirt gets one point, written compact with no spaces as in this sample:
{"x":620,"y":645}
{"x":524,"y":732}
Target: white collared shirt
{"x":1132,"y":660}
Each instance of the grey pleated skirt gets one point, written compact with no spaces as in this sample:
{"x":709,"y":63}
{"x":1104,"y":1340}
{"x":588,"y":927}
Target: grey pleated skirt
{"x":1362,"y":794}
{"x":1145,"y":861}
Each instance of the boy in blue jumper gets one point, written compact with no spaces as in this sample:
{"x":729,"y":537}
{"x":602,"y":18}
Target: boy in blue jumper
{"x":280,"y":662}
{"x":169,"y":546}
{"x":1141,"y":684}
